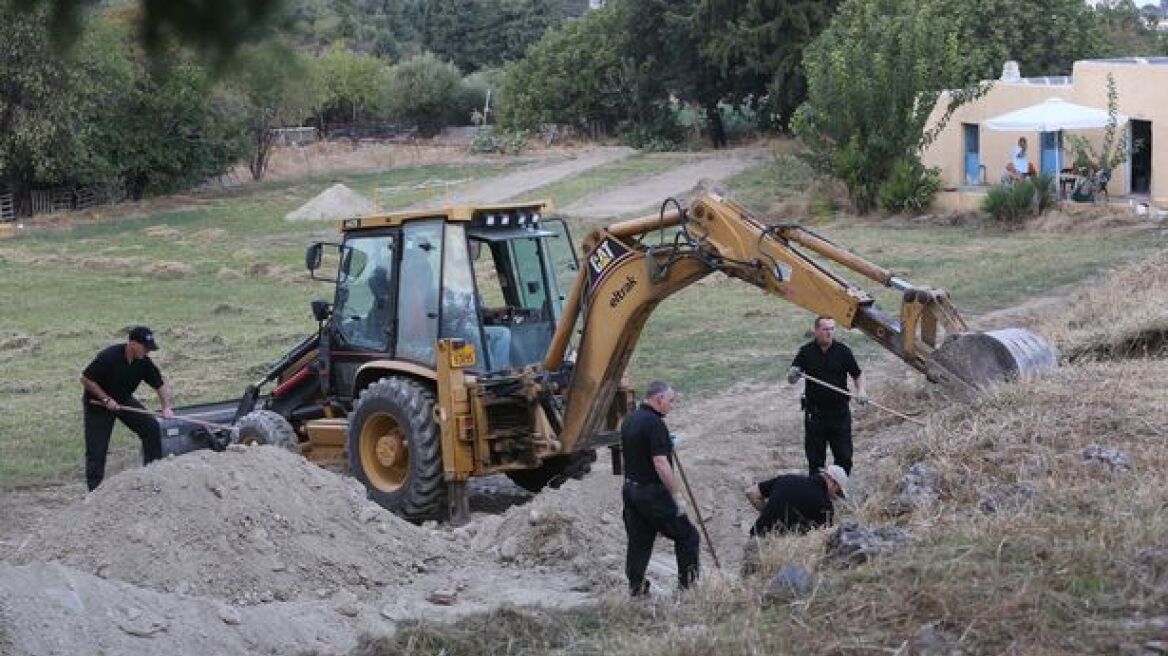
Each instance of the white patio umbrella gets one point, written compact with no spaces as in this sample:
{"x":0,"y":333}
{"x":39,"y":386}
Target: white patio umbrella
{"x":1053,"y":115}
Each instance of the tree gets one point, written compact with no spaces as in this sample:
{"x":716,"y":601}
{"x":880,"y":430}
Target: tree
{"x":271,"y":86}
{"x":874,"y":77}
{"x":1128,"y":30}
{"x":422,"y":91}
{"x":757,"y":46}
{"x":1045,"y":38}
{"x":574,"y":75}
{"x":352,"y":81}
{"x":474,"y":34}
{"x":54,"y":106}
{"x":389,"y":29}
{"x":183,"y":131}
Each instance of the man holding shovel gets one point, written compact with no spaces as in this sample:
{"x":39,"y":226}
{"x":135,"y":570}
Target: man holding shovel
{"x":827,"y":419}
{"x":652,"y":493}
{"x":109,"y":382}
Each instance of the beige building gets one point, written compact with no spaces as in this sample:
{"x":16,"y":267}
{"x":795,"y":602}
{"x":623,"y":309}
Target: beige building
{"x":971,"y":155}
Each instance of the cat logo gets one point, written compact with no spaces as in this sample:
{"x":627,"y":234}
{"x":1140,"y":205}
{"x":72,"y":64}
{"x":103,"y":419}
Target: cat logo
{"x":601,"y":257}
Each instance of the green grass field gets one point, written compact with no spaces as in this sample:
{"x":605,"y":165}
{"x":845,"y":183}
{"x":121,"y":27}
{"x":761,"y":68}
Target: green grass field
{"x":220,"y":278}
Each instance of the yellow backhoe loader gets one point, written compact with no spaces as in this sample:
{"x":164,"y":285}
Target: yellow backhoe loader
{"x":449,"y":351}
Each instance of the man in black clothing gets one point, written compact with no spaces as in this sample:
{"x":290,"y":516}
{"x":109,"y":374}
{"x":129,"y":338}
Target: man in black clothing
{"x":796,"y":503}
{"x":109,"y":382}
{"x":827,"y":419}
{"x":650,"y":492}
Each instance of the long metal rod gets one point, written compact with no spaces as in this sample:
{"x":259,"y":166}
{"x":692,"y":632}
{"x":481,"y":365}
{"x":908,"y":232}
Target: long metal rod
{"x":882,"y":407}
{"x":130,"y":408}
{"x":697,"y":511}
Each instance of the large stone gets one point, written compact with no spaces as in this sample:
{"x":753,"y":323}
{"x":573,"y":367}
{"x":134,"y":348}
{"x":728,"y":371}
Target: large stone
{"x":852,"y":544}
{"x":791,"y":582}
{"x":1001,"y":496}
{"x":1113,"y":457}
{"x":916,"y":490}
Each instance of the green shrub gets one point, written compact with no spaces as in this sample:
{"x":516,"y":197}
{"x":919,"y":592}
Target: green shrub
{"x":422,"y":91}
{"x":663,"y":133}
{"x":1047,"y":192}
{"x":508,"y":142}
{"x":910,"y":187}
{"x":1012,"y":203}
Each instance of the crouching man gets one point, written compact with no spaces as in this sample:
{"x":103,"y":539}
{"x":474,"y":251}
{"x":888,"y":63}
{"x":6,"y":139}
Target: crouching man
{"x":797,"y":503}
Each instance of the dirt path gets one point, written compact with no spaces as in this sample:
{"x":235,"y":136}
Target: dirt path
{"x":497,"y":189}
{"x":647,"y":193}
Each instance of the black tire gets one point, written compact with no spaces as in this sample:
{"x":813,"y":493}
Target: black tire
{"x":266,"y":427}
{"x":554,"y":471}
{"x":393,"y":421}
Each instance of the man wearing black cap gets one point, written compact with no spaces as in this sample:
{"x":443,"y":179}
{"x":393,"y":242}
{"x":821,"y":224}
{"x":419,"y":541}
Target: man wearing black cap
{"x":109,"y":382}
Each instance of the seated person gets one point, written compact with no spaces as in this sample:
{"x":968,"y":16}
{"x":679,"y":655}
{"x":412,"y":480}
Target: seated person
{"x":1083,"y":190}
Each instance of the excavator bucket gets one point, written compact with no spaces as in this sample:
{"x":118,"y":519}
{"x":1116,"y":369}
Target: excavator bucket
{"x":980,"y":359}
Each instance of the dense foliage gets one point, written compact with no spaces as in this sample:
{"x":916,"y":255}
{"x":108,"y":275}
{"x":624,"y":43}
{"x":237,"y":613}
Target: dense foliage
{"x":202,"y":83}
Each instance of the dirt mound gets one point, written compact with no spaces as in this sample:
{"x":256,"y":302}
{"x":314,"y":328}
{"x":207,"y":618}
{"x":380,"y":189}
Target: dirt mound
{"x":52,"y":610}
{"x":336,"y":202}
{"x":577,"y":526}
{"x":248,"y":525}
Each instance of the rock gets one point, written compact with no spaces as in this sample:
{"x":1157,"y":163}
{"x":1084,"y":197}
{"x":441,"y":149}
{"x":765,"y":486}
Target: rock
{"x":791,"y":582}
{"x":932,"y":640}
{"x":230,"y":615}
{"x":852,"y":544}
{"x":509,"y":550}
{"x":1113,"y":457}
{"x":442,"y":597}
{"x":1156,"y":646}
{"x":370,"y":513}
{"x":395,"y":612}
{"x":141,"y":624}
{"x":349,"y":609}
{"x":1007,"y":497}
{"x":916,"y":490}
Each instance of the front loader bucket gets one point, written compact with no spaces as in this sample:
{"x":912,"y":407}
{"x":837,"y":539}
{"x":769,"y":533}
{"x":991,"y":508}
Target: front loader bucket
{"x":980,"y":359}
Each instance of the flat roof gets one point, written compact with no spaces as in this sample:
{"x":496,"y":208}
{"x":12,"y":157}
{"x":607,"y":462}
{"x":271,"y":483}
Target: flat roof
{"x":1141,"y":61}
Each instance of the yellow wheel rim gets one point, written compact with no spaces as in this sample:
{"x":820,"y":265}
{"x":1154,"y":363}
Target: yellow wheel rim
{"x":385,"y":452}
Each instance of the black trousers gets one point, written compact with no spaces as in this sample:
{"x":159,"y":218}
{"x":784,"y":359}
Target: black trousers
{"x":99,"y":424}
{"x":822,"y":429}
{"x":649,"y":510}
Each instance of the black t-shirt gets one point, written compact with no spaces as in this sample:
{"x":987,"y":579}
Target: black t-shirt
{"x":831,"y":366}
{"x":117,"y":377}
{"x":794,"y":502}
{"x":643,"y":436}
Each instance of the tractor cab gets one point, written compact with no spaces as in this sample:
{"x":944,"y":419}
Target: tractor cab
{"x":490,"y":276}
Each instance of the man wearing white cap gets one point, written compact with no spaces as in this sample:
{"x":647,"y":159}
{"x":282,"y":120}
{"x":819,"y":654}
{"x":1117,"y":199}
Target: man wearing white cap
{"x":796,"y":502}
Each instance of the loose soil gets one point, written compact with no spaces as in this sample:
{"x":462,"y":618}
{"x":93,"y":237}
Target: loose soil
{"x":258,"y":550}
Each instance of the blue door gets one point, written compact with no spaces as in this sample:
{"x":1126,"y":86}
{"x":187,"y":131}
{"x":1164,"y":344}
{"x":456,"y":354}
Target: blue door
{"x":972,"y":154}
{"x":1052,"y":146}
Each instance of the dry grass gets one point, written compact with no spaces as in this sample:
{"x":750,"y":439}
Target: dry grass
{"x":1123,"y":317}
